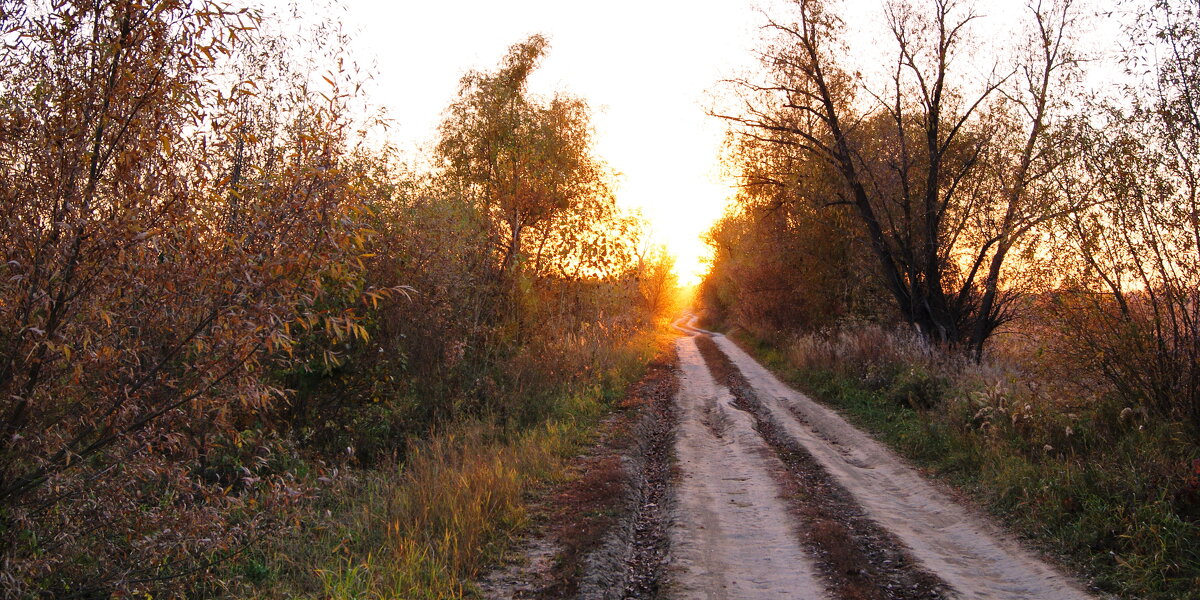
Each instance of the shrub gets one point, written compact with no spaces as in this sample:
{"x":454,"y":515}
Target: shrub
{"x":1110,"y":486}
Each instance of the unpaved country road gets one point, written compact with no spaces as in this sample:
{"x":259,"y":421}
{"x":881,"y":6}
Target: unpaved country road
{"x":736,"y":487}
{"x":734,"y":536}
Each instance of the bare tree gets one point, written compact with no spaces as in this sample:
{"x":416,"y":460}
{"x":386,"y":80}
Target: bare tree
{"x":1134,"y":309}
{"x":942,"y":172}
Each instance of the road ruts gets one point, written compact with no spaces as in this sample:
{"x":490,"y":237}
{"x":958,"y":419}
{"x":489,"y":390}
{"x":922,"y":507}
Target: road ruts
{"x":971,"y":555}
{"x":732,"y":536}
{"x":740,"y":518}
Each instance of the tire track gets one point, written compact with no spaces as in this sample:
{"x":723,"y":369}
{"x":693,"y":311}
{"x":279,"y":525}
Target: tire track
{"x":732,"y":535}
{"x":972,"y":556}
{"x":857,"y":559}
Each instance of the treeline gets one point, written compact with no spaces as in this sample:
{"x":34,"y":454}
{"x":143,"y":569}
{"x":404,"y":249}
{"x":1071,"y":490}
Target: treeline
{"x":958,"y":193}
{"x":218,"y":295}
{"x":965,"y":228}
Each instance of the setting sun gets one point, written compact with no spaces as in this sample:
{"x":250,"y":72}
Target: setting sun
{"x":646,"y":69}
{"x":643,"y":299}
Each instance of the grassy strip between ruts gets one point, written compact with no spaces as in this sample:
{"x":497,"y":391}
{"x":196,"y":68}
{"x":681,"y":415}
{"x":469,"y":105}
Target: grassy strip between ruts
{"x":1101,"y":506}
{"x":425,"y":529}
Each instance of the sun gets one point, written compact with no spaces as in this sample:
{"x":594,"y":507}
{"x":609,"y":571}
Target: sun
{"x":678,"y":219}
{"x":648,"y":93}
{"x":677,"y":182}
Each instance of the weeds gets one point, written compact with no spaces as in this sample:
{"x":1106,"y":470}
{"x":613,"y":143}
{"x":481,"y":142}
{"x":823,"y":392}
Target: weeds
{"x":1082,"y":476}
{"x":426,"y":526}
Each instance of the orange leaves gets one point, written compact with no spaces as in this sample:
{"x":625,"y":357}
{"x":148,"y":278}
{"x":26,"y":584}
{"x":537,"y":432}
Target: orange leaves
{"x":373,"y":297}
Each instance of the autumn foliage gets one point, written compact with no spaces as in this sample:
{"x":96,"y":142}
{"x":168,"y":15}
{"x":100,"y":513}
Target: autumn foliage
{"x":987,"y":261}
{"x":973,"y":198}
{"x":211,"y":286}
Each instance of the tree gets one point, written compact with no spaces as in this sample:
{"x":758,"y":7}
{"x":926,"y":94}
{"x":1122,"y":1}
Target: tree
{"x":524,"y":160}
{"x":943,"y":180}
{"x":784,"y":262}
{"x":136,"y":317}
{"x":1130,"y":310}
{"x":657,"y":281}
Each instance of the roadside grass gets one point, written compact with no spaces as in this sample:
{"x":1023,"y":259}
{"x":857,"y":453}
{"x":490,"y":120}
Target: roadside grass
{"x":1111,"y":491}
{"x":425,"y":527}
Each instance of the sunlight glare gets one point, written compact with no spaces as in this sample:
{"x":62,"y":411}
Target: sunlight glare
{"x":644,"y":67}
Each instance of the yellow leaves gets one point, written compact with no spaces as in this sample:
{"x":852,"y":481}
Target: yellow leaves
{"x":345,"y":328}
{"x":281,"y":341}
{"x":373,"y":297}
{"x":330,"y":358}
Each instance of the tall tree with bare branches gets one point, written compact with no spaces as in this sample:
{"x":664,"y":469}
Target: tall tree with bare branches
{"x":943,"y":170}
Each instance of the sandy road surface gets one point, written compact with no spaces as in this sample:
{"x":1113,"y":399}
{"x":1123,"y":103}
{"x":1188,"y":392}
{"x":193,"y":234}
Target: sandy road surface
{"x":732,"y":536}
{"x":967,"y":553}
{"x":970,"y":555}
{"x":775,"y":496}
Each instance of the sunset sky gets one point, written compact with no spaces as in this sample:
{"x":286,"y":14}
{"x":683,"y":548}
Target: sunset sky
{"x":643,"y":66}
{"x":647,"y":68}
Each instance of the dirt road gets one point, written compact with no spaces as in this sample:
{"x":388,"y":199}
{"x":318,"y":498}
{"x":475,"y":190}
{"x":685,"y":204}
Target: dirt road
{"x":717,"y":443}
{"x":772,"y":495}
{"x":732,"y":536}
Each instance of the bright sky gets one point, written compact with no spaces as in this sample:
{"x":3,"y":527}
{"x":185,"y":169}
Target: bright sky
{"x":645,"y":66}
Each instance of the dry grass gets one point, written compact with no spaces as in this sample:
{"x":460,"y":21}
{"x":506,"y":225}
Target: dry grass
{"x":446,"y":512}
{"x":1064,"y":461}
{"x":424,"y":528}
